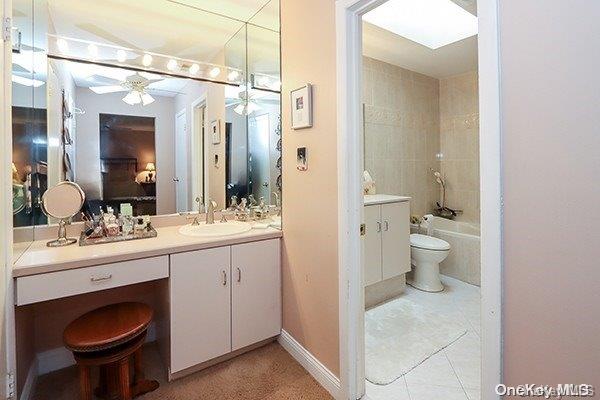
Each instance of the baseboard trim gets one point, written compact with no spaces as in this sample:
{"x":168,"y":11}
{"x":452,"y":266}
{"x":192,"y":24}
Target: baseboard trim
{"x":59,"y":358}
{"x":29,"y":385}
{"x":324,"y":376}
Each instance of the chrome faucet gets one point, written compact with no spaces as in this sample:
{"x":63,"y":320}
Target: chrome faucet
{"x":210,"y":211}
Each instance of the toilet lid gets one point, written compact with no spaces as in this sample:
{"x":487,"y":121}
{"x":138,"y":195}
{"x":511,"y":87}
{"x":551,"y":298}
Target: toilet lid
{"x":428,"y":242}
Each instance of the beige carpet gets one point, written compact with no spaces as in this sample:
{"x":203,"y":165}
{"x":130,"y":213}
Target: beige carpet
{"x":267,"y":373}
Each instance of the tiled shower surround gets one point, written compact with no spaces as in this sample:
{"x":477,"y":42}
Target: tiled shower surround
{"x":414,"y":122}
{"x":401,"y":117}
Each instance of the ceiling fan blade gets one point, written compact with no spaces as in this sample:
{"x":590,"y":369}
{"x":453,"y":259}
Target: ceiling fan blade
{"x":105,"y":80}
{"x":32,"y":48}
{"x":175,"y":92}
{"x":151,"y":81}
{"x":108,"y":89}
{"x":20,"y":68}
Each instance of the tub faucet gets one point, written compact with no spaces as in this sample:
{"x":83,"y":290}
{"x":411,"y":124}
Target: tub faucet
{"x":210,"y":211}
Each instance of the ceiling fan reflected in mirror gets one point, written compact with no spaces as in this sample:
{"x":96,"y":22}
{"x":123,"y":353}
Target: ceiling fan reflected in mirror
{"x":243,"y":99}
{"x":135,"y":85}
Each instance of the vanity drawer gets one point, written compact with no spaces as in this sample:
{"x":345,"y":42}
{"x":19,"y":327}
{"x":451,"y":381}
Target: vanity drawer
{"x":54,"y":285}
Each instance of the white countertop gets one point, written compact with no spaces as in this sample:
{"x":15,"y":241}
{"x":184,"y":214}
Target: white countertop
{"x":37,"y":258}
{"x":372,"y":199}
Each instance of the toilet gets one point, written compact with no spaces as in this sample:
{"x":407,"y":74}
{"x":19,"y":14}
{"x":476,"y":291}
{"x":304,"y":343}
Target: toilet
{"x":426,"y":253}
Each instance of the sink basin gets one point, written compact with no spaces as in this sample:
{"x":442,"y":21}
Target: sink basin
{"x":216,"y":229}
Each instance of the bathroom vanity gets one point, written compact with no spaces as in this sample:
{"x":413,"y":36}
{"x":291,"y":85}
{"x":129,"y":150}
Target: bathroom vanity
{"x":387,"y":246}
{"x":216,"y":297}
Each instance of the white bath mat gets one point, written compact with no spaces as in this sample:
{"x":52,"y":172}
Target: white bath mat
{"x":402,"y":333}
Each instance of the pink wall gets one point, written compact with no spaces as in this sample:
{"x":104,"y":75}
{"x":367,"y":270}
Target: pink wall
{"x":550,"y":70}
{"x":310,"y":258}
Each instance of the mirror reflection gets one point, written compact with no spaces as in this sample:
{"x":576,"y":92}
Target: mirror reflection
{"x":165,"y":128}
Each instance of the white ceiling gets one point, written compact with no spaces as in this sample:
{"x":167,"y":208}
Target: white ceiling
{"x":449,"y":60}
{"x":152,"y":25}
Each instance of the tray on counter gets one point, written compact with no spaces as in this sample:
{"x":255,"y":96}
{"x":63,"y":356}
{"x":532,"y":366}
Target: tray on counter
{"x":146,"y":234}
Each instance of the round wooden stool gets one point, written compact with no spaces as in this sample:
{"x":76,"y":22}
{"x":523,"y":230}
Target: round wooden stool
{"x":107,"y":338}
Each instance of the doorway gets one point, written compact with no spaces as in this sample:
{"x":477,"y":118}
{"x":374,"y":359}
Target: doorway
{"x":181,"y":162}
{"x":198,"y":164}
{"x":128,"y":164}
{"x":350,"y":151}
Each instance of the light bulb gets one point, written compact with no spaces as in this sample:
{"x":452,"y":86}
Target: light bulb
{"x":121,"y":55}
{"x":240,"y":109}
{"x":147,"y":99}
{"x":132,"y":98}
{"x":214,"y":72}
{"x":263,"y":81}
{"x":233,"y":75}
{"x":194,"y":68}
{"x":62,"y":45}
{"x":172,"y":65}
{"x":93,"y":50}
{"x":147,"y":60}
{"x":276,"y":85}
{"x":252,"y":106}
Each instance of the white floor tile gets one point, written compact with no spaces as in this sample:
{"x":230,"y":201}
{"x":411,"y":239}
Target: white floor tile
{"x":434,"y":371}
{"x":465,"y":358}
{"x":454,"y":373}
{"x":473,"y":394}
{"x":394,"y":391}
{"x":436,"y":393}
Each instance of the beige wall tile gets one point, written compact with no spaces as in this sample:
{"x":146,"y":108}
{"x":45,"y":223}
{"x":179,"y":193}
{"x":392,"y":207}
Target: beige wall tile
{"x":459,"y":143}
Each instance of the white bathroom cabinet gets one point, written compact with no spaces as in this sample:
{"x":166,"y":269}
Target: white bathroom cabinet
{"x":223,"y":300}
{"x":387,"y":240}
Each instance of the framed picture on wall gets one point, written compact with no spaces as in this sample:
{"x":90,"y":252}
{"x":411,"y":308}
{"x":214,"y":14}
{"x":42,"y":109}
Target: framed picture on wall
{"x":301,"y":103}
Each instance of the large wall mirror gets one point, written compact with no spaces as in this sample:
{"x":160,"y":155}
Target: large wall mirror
{"x":158,"y":110}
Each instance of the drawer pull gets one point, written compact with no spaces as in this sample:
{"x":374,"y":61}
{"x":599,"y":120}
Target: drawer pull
{"x":224,"y":278}
{"x":387,"y":225}
{"x":378,"y":226}
{"x":101,"y":278}
{"x":239,"y":275}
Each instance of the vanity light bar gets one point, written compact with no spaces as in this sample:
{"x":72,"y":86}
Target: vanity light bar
{"x":265,"y":82}
{"x":72,"y":49}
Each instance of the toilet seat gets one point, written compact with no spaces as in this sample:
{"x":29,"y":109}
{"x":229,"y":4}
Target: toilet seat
{"x":428,"y":242}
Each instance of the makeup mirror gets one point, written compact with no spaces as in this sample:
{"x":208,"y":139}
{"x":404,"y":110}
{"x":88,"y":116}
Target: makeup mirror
{"x":63,"y":202}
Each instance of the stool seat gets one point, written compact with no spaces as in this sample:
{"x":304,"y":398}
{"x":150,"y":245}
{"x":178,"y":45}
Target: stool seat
{"x":107,"y":338}
{"x":107,"y":327}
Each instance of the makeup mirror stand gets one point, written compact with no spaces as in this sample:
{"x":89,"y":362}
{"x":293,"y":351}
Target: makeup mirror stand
{"x":62,"y":240}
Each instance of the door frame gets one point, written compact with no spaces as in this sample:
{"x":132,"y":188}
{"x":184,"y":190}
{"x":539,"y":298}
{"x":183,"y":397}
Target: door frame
{"x":8,"y":346}
{"x":187,"y":160}
{"x":349,"y":119}
{"x":199,"y":104}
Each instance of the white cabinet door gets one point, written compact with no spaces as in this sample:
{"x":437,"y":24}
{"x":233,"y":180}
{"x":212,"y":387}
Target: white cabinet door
{"x":200,"y":288}
{"x":372,"y":243}
{"x":396,"y":239}
{"x":256,"y":292}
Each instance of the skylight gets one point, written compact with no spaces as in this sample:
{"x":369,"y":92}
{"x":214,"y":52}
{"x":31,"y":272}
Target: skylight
{"x":432,"y":23}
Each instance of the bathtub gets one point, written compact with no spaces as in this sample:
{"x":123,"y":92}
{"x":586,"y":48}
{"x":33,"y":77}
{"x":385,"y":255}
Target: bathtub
{"x":464,"y":260}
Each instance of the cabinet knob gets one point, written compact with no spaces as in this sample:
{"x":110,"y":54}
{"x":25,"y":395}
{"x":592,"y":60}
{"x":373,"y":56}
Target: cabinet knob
{"x":224,"y":277}
{"x":378,"y":226}
{"x":386,"y":224}
{"x":239,"y":279}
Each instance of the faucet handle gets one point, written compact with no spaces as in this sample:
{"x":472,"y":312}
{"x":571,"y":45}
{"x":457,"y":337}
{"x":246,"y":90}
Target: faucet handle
{"x":252,"y":200}
{"x":194,"y":220}
{"x":200,"y":201}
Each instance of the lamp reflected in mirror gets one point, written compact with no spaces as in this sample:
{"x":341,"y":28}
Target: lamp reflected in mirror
{"x":150,"y":167}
